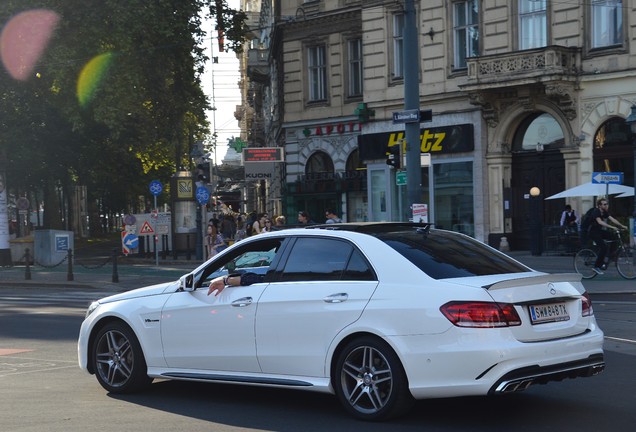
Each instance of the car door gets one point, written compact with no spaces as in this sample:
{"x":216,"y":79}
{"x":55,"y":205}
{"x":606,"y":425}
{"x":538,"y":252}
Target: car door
{"x":217,"y":332}
{"x":324,"y":286}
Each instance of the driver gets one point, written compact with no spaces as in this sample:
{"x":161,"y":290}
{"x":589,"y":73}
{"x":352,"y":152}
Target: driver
{"x":235,"y":279}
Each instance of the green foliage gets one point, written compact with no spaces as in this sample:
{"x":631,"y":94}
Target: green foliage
{"x":112,"y":124}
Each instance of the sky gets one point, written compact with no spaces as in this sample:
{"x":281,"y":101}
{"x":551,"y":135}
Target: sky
{"x":220,"y":83}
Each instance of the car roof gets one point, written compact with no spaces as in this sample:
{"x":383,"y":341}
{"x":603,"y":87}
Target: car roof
{"x":373,"y":227}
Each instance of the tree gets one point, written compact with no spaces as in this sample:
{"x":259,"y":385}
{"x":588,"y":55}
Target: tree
{"x":113,"y":101}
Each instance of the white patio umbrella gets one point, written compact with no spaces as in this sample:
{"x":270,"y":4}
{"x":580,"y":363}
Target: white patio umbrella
{"x":595,"y":189}
{"x":626,"y":194}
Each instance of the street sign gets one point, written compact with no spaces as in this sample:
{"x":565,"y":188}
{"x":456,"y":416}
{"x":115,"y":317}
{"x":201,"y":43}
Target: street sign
{"x":203,"y":195}
{"x":407,"y":116}
{"x":146,"y":229}
{"x":130,"y":241}
{"x":263,"y":154}
{"x":129,"y":219}
{"x":607,"y":177}
{"x":400,"y":178}
{"x":413,"y":116}
{"x":156,"y":187}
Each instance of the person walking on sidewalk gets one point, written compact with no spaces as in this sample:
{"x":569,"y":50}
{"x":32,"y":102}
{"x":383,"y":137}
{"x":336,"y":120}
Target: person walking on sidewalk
{"x":599,"y":231}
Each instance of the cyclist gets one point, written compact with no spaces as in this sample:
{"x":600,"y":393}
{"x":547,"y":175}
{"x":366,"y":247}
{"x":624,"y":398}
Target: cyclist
{"x":599,"y":231}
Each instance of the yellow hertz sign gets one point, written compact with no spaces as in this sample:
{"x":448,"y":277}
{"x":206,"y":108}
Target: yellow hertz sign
{"x":436,"y":140}
{"x":429,"y":142}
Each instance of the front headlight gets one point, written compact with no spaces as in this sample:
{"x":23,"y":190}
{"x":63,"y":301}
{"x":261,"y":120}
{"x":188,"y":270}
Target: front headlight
{"x":91,"y":308}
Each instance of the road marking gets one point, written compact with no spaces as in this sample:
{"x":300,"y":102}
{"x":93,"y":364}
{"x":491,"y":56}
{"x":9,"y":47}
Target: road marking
{"x":10,"y":351}
{"x":620,"y":339}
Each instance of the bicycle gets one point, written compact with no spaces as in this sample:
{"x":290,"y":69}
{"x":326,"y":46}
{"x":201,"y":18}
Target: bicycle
{"x":624,"y":257}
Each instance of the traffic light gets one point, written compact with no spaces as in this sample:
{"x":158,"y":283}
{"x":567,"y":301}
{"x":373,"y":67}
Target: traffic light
{"x":394,"y":156}
{"x":203,"y":172}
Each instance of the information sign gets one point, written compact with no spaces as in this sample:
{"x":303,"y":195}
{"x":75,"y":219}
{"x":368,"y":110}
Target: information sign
{"x":607,"y":177}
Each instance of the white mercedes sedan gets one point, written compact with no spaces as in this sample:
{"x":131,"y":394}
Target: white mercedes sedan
{"x":379,"y":314}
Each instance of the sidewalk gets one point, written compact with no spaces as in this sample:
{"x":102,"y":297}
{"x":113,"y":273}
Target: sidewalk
{"x":136,"y":272}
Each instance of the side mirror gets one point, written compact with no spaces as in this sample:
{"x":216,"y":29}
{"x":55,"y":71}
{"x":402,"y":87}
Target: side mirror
{"x":231,"y":266}
{"x":187,"y":282}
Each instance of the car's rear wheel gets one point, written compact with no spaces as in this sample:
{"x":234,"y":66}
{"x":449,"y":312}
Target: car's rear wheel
{"x":118,"y":360}
{"x":370,"y":382}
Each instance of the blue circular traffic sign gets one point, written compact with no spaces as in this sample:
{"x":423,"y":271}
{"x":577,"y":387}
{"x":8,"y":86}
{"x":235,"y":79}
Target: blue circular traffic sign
{"x":131,"y":241}
{"x":156,"y":187}
{"x":202,"y":195}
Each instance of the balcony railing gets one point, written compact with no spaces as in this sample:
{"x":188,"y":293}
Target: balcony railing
{"x":257,"y":66}
{"x":553,"y":63}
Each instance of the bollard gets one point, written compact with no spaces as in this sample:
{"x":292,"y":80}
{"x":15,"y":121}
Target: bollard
{"x":69,"y":275}
{"x":188,"y":256}
{"x":164,"y":240}
{"x":27,"y":273}
{"x":115,"y":274}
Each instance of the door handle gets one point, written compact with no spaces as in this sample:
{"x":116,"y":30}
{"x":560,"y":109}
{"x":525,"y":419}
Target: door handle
{"x":336,"y":298}
{"x":242,"y":302}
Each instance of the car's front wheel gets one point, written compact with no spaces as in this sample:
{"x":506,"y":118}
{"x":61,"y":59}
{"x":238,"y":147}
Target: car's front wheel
{"x":370,"y":382}
{"x":118,"y":360}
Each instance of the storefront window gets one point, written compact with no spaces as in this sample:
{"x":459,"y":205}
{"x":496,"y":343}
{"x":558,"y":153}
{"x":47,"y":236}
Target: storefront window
{"x":454,"y":207}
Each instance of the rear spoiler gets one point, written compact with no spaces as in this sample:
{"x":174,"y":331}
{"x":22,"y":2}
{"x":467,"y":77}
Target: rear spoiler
{"x":535,"y":280}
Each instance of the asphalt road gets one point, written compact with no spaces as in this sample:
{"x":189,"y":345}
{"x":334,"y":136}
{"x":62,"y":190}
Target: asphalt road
{"x":42,"y":389}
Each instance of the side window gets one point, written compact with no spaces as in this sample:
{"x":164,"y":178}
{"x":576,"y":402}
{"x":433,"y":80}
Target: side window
{"x":253,"y":257}
{"x":358,"y":268}
{"x":314,"y":259}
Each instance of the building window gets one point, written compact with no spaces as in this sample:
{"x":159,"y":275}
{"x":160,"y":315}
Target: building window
{"x":355,"y":67}
{"x":317,"y":68}
{"x":466,"y":32}
{"x":607,"y":23}
{"x":398,"y":46}
{"x":538,"y":132}
{"x":532,"y":24}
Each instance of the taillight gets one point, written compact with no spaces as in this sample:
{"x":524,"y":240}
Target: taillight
{"x":586,"y":305}
{"x":480,"y":314}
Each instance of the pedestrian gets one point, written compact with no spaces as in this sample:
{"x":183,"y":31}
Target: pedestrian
{"x":280,"y":221}
{"x":240,"y":228}
{"x":267,"y":227}
{"x":569,"y":219}
{"x":259,"y":223}
{"x":332,"y":217}
{"x":208,"y":241}
{"x":304,"y":218}
{"x":599,"y":231}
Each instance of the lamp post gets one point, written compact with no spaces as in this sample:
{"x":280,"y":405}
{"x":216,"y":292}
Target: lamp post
{"x":536,"y":226}
{"x":631,"y":122}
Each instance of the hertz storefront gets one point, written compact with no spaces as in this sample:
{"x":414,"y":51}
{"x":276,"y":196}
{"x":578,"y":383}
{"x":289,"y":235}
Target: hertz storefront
{"x":447,"y":184}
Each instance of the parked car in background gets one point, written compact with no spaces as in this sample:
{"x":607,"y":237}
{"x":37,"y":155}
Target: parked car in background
{"x":379,"y":314}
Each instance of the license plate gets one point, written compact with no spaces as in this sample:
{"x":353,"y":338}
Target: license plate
{"x":551,"y":312}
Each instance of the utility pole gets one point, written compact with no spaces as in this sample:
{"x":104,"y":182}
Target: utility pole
{"x":412,"y":102}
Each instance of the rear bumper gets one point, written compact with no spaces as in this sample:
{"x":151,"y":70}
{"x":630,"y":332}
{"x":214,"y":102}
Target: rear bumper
{"x":521,"y":379}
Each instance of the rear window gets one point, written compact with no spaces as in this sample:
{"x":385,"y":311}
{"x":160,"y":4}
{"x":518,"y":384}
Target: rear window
{"x":444,"y":254}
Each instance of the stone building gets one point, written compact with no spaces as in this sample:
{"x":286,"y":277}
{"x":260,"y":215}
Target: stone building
{"x":524,"y":93}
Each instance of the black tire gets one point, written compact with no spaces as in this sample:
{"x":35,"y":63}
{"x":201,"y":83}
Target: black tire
{"x":584,"y":261}
{"x":370,"y":381}
{"x":118,"y":360}
{"x":626,"y":263}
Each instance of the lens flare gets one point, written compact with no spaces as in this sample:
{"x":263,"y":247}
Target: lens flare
{"x":24,"y":39}
{"x":91,"y":76}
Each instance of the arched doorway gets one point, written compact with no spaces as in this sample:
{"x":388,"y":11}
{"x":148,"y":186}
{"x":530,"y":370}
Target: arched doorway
{"x":536,"y":162}
{"x":613,"y":152}
{"x":320,"y":185}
